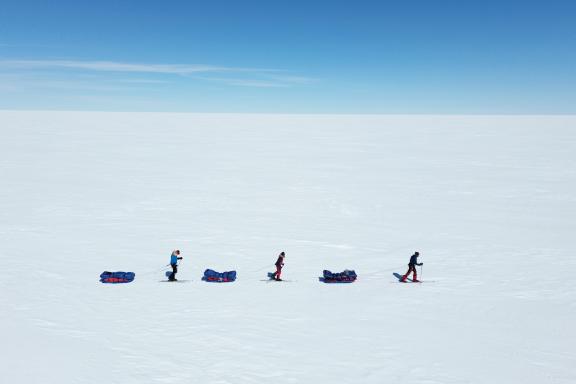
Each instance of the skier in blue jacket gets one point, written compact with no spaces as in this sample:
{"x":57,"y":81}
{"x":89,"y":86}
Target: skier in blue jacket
{"x":412,"y":268}
{"x":174,"y":257}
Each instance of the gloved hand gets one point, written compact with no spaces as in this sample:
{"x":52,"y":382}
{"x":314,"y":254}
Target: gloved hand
{"x":179,"y":258}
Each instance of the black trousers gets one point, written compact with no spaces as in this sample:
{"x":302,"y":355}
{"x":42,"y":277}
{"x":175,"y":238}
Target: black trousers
{"x":174,"y":272}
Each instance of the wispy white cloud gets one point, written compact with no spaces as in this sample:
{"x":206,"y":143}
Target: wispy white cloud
{"x":256,"y":83}
{"x":235,"y":76}
{"x":12,"y":45}
{"x":252,"y":83}
{"x":112,"y":66}
{"x":143,"y":81}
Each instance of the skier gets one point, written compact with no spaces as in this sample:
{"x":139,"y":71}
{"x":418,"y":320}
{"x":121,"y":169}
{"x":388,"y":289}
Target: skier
{"x":174,"y":257}
{"x":279,"y":264}
{"x":412,"y":268}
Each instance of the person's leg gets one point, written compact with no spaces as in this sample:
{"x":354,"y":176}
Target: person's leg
{"x":174,"y":270}
{"x":413,"y":268}
{"x":406,"y":274}
{"x":277,"y":274}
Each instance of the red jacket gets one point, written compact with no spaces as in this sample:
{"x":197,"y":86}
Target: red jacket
{"x":280,"y":262}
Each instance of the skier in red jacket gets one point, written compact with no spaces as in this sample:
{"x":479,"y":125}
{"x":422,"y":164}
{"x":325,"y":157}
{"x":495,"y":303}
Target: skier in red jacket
{"x":412,"y":268}
{"x":279,"y":264}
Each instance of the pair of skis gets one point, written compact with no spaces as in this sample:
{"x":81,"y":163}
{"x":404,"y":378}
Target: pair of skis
{"x":271,"y":278}
{"x":407,"y":280}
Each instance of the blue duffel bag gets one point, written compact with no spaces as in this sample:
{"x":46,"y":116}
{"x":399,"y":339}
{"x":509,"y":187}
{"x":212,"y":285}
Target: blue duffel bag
{"x":346,"y":276}
{"x":117,"y":277}
{"x":217,"y":277}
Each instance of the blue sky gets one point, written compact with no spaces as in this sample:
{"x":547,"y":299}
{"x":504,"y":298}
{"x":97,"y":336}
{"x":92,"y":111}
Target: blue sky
{"x":502,"y":57}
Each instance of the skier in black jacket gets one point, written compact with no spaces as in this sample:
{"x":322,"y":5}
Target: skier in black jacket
{"x":412,"y":268}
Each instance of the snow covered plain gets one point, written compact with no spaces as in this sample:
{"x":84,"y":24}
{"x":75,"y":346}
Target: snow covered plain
{"x":490,"y":202}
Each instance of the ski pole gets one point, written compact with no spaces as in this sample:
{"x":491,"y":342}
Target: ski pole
{"x":421,"y":271}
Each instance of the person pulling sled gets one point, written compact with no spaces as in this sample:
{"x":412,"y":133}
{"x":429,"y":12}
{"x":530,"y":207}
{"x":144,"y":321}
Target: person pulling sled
{"x":174,"y":257}
{"x":279,"y":264}
{"x":412,"y":268}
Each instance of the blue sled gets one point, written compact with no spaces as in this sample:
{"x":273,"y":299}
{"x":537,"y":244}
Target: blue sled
{"x":323,"y":280}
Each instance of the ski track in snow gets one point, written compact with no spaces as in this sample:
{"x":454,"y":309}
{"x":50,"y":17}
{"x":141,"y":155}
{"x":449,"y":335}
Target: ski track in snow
{"x":487,"y":200}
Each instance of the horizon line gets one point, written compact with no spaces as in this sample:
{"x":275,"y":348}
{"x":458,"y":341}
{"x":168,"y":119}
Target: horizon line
{"x":288,"y":113}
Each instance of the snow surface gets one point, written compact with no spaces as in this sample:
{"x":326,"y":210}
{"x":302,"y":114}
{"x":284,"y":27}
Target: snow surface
{"x":489,"y":201}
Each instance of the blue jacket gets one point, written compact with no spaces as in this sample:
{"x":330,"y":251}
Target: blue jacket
{"x":174,"y":259}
